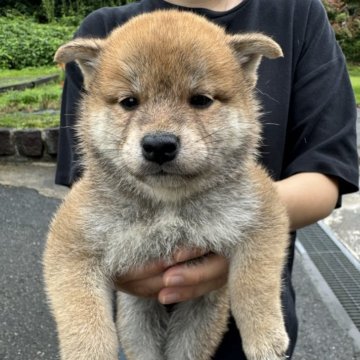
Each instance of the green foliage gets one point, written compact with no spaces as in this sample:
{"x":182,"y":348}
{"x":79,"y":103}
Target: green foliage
{"x":25,"y":121}
{"x":24,"y":7}
{"x":344,"y":16}
{"x":354,"y":72}
{"x":49,"y":9}
{"x":26,"y":43}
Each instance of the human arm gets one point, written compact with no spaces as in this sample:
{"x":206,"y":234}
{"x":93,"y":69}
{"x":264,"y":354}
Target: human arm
{"x":308,"y":197}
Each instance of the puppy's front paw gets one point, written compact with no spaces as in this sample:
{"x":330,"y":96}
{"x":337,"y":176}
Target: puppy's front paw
{"x":268,"y":346}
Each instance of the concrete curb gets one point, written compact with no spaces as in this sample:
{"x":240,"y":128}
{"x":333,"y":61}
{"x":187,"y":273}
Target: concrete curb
{"x":30,"y":84}
{"x":28,"y":144}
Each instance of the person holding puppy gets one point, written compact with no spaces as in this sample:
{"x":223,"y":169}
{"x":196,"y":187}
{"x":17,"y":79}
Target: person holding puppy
{"x":309,"y":141}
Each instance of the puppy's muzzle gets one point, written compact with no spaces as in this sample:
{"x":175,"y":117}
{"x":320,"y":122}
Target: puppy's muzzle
{"x":160,"y":147}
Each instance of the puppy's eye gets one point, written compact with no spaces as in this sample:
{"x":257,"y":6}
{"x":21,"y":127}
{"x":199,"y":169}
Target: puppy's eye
{"x":129,"y":103}
{"x":200,"y":101}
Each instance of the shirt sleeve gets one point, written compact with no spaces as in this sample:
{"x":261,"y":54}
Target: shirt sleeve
{"x":68,"y":168}
{"x":69,"y":162}
{"x":321,"y":135}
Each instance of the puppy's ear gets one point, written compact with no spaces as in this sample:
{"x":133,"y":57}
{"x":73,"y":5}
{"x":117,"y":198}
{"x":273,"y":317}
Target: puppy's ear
{"x":85,"y":52}
{"x":249,"y":48}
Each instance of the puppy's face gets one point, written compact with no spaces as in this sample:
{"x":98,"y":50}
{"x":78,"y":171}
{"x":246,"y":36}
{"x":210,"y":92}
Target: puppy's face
{"x":170,"y":98}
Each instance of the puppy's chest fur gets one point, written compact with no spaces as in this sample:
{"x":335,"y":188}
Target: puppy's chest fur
{"x":127,"y":234}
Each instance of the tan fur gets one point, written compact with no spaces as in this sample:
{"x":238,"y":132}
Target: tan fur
{"x":123,"y":213}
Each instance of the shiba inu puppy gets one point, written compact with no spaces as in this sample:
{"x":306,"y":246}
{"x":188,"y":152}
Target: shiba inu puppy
{"x":169,"y":133}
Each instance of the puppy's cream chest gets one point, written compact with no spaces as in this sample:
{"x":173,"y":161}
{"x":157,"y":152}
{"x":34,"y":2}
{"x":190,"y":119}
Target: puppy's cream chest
{"x":129,"y":235}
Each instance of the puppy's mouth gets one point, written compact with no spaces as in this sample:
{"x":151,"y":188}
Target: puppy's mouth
{"x":164,"y":173}
{"x":174,"y":174}
{"x":186,"y":177}
{"x":161,"y":173}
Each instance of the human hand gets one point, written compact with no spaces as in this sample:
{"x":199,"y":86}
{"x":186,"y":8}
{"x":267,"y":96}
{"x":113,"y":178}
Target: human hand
{"x":185,"y":281}
{"x":179,"y":281}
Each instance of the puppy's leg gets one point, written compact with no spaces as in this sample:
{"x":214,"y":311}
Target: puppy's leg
{"x":142,"y":325}
{"x":255,"y":286}
{"x":197,"y":327}
{"x":81,"y":304}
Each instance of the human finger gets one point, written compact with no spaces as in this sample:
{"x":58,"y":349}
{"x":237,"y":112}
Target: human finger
{"x":186,"y":254}
{"x":184,"y":293}
{"x":185,"y":282}
{"x":145,"y":288}
{"x":141,"y":273}
{"x":210,"y":268}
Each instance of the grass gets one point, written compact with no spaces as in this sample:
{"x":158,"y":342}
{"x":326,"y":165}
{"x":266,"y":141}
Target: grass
{"x":29,"y":100}
{"x":354,"y":71}
{"x":12,"y":77}
{"x":18,"y":109}
{"x":25,"y":121}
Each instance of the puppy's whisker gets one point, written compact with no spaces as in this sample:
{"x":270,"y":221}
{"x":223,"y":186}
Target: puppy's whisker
{"x":214,"y":132}
{"x":267,"y":95}
{"x":275,"y":124}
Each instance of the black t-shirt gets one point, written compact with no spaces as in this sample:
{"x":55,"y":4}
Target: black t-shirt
{"x":309,"y":113}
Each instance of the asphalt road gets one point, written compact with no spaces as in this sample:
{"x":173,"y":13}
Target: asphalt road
{"x":27,"y":330}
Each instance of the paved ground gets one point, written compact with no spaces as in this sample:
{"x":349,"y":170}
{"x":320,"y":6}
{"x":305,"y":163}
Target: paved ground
{"x":28,"y":199}
{"x":27,"y":331}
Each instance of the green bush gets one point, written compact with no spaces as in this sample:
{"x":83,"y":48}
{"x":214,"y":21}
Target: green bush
{"x":344,"y":16}
{"x":26,"y":43}
{"x":28,"y":7}
{"x":48,"y":10}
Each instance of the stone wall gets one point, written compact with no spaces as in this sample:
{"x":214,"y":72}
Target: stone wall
{"x":28,"y":144}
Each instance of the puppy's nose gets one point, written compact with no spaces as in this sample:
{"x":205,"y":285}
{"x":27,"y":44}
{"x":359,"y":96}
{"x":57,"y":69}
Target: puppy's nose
{"x":160,"y":147}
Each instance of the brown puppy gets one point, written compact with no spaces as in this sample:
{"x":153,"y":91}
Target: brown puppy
{"x":169,"y":132}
